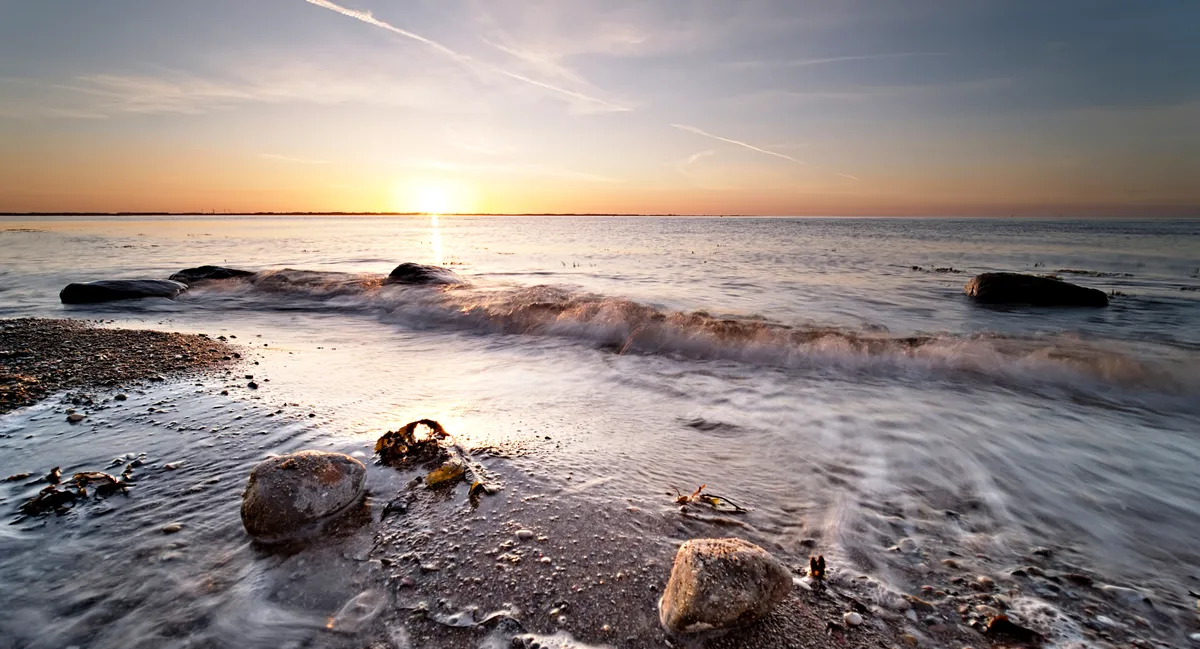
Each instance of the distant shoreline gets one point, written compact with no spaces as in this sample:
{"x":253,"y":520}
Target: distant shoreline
{"x":1184,"y":216}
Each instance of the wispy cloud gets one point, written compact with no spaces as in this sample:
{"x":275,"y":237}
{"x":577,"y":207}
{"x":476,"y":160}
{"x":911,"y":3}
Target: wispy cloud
{"x":802,"y":63}
{"x":594,"y":103}
{"x":288,"y":158}
{"x":850,"y":177}
{"x":697,"y":156}
{"x":697,"y":131}
{"x":516,"y":169}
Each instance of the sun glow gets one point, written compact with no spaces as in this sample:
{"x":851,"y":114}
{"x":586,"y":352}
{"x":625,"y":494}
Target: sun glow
{"x":433,"y":196}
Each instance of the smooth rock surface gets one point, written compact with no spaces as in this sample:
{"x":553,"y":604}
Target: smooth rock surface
{"x":287,"y":494}
{"x":202,"y":273}
{"x":720,"y":584}
{"x":119,"y":289}
{"x":410,"y":273}
{"x":1015,"y":288}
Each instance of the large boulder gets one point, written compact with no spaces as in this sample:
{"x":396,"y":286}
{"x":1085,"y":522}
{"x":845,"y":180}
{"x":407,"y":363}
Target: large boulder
{"x":119,"y":289}
{"x":202,"y":273}
{"x":287,"y":494}
{"x":410,"y":273}
{"x":720,"y":584}
{"x":1015,"y":288}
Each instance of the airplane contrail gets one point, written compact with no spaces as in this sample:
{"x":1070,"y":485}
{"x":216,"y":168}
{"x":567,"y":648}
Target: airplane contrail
{"x":693,"y":129}
{"x":367,"y":17}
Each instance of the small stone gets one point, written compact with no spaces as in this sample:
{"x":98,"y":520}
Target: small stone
{"x":171,"y":528}
{"x":1195,"y":637}
{"x":75,"y":418}
{"x":907,"y":545}
{"x":524,"y":535}
{"x":852,"y":619}
{"x":252,"y":385}
{"x":910,"y":639}
{"x":950,"y":563}
{"x":171,"y":466}
{"x":120,"y":397}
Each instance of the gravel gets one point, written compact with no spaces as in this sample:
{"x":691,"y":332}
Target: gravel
{"x":39,"y":357}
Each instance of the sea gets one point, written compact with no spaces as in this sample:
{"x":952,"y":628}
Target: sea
{"x":827,"y":374}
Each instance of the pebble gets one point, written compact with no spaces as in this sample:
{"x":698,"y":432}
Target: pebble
{"x":907,"y":545}
{"x":171,"y":466}
{"x":524,"y":535}
{"x":852,"y":619}
{"x":252,"y":385}
{"x":171,"y":528}
{"x":75,"y":417}
{"x":120,"y":397}
{"x":1195,"y":637}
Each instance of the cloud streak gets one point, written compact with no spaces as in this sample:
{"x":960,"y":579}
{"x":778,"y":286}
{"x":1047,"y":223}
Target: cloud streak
{"x":803,"y":63}
{"x":469,"y":61}
{"x":865,"y":57}
{"x":288,"y":158}
{"x":697,"y":131}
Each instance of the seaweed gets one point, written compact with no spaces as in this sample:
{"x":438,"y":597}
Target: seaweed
{"x":701,"y":497}
{"x":447,"y":463}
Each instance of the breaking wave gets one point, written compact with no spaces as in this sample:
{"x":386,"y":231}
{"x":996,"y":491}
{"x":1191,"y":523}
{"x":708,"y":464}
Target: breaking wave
{"x":629,"y":327}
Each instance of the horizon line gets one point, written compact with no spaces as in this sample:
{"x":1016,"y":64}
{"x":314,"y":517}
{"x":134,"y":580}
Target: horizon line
{"x":1012,"y":215}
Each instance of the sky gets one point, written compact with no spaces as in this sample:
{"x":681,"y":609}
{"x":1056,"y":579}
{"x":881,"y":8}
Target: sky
{"x":773,"y":107}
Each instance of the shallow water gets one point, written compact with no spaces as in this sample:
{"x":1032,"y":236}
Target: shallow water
{"x":798,"y":366}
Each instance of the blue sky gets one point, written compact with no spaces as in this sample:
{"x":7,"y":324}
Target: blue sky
{"x":942,"y":107}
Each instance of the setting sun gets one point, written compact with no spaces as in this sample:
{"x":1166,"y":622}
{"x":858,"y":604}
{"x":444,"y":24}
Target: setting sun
{"x":433,"y":196}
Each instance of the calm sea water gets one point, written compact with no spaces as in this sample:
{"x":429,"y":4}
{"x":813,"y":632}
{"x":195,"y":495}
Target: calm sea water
{"x":822,"y":371}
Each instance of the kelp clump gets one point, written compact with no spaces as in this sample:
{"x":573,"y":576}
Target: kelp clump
{"x":425,"y":443}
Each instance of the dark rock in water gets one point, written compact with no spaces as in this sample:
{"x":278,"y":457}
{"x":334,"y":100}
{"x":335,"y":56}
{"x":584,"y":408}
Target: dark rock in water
{"x":193,"y":275}
{"x":288,"y":493}
{"x":410,"y":273}
{"x":1015,"y":288}
{"x":721,"y":584}
{"x":119,"y":289}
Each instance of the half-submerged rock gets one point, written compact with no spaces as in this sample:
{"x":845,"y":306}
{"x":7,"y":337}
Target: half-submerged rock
{"x":720,"y":584}
{"x":410,"y":273}
{"x":1015,"y":288}
{"x":202,"y":273}
{"x":287,"y":494}
{"x":109,"y":290}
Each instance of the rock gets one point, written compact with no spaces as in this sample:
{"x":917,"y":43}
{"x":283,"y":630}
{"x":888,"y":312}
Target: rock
{"x":721,"y":583}
{"x":171,"y":528}
{"x":1015,"y":288}
{"x":1125,"y":596}
{"x":75,"y":418}
{"x":852,"y":619}
{"x":524,"y":535}
{"x":120,"y":397}
{"x":410,"y":273}
{"x":1195,"y":637}
{"x":190,"y":276}
{"x":287,"y":494}
{"x":119,"y":289}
